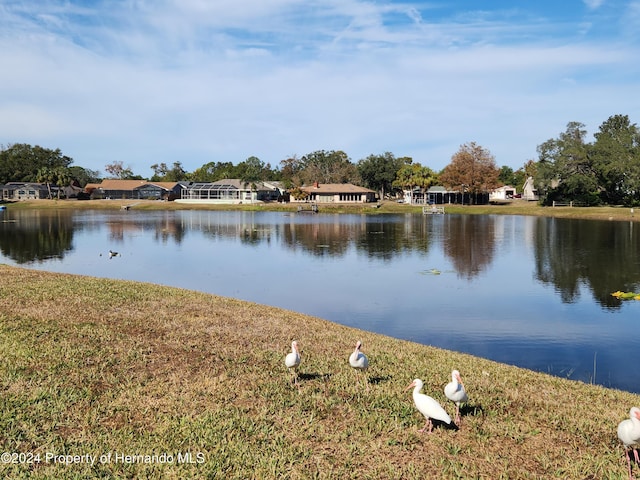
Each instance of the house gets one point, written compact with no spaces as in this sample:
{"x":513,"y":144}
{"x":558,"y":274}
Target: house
{"x":438,"y":195}
{"x":502,"y":195}
{"x":279,"y":188}
{"x":228,"y":191}
{"x":6,"y":192}
{"x":71,"y":191}
{"x":336,"y":193}
{"x":420,"y":196}
{"x":134,"y":189}
{"x":529,"y":191}
{"x":27,"y":191}
{"x":415,"y":195}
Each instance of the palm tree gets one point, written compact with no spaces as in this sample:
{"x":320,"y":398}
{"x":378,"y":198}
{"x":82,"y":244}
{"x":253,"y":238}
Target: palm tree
{"x":63,"y":178}
{"x":413,"y":175}
{"x":46,"y":175}
{"x":251,"y":173}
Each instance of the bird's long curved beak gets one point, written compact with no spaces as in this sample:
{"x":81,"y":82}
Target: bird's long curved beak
{"x":413,"y":384}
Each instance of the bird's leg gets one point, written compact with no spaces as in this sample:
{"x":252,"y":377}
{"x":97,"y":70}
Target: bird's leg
{"x":458,"y":414}
{"x":626,"y":454}
{"x":429,"y":424}
{"x":635,"y":455}
{"x":359,"y":376}
{"x":366,"y":381}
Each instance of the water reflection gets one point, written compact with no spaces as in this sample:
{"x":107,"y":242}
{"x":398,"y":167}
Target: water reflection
{"x":162,"y":225}
{"x":603,"y":256}
{"x":377,"y":238}
{"x":28,"y":237}
{"x":534,"y":292}
{"x":569,"y":254}
{"x":470,"y":242}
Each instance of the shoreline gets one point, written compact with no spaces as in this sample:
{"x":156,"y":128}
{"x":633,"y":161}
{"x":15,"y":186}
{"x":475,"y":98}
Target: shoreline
{"x":519,"y":207}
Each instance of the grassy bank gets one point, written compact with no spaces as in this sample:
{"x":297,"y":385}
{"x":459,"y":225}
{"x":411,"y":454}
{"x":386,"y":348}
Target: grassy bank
{"x":516,"y":208}
{"x":102,"y":367}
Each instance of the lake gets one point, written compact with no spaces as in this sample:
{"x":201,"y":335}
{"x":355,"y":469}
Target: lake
{"x":528,"y":291}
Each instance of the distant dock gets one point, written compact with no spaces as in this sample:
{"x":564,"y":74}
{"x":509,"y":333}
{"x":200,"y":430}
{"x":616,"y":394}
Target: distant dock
{"x":313,"y":208}
{"x":127,"y":207}
{"x":432,"y":210}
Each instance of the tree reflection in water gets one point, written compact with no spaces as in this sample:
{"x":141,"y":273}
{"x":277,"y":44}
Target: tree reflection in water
{"x":35,"y":236}
{"x":535,"y":292}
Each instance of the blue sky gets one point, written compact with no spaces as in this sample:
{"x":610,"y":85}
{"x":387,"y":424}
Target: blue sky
{"x":196,"y":81}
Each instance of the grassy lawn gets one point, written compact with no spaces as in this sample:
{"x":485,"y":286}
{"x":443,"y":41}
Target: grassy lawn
{"x":128,"y":373}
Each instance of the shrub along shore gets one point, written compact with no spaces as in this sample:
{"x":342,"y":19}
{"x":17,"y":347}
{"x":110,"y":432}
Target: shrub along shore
{"x":120,"y":379}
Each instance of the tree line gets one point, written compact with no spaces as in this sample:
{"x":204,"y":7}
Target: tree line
{"x":472,"y":168}
{"x":606,"y":171}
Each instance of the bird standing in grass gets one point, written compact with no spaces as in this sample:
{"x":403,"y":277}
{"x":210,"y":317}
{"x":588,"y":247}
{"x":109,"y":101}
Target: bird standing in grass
{"x":629,"y":435}
{"x":454,"y":391}
{"x":292,"y":360}
{"x":359,"y":360}
{"x":427,"y":406}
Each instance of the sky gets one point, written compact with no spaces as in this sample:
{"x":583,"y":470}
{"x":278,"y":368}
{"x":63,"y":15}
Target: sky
{"x":145,"y":82}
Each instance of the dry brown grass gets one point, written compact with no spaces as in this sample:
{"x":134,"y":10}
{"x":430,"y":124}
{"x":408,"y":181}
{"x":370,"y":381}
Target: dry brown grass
{"x":96,"y":366}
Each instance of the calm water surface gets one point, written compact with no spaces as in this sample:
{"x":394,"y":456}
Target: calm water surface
{"x":528,"y":291}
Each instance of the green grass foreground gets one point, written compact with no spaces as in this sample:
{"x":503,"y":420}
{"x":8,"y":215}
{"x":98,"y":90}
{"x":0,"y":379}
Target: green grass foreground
{"x":195,"y":384}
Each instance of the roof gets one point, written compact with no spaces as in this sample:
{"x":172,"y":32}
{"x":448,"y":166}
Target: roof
{"x":332,"y":188}
{"x":230,"y":182}
{"x":275,"y":184}
{"x":115,"y":184}
{"x":165,"y":185}
{"x":227,"y":184}
{"x":34,"y":185}
{"x":503,"y":188}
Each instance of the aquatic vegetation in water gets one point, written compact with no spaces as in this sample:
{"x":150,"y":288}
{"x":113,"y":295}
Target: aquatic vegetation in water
{"x":432,"y":271}
{"x":626,"y":295}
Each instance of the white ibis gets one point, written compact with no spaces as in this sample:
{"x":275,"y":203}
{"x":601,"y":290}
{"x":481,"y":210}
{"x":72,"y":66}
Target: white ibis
{"x":358,"y":360}
{"x":629,"y":435}
{"x":427,"y":406}
{"x":292,"y":360}
{"x":454,"y":391}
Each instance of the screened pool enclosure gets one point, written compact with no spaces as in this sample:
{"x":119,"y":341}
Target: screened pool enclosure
{"x":228,"y":191}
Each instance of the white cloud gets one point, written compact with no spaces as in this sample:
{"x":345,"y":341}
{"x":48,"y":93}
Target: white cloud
{"x":593,"y":4}
{"x":199,"y":81}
